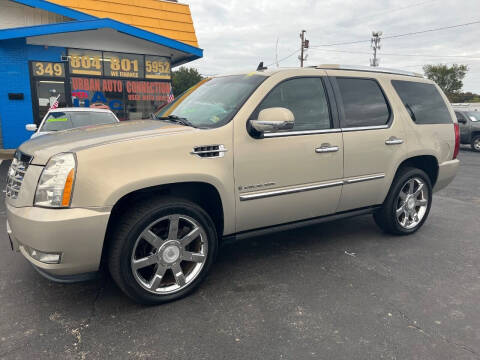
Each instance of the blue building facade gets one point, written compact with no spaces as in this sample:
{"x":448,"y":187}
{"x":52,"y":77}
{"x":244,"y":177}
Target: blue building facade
{"x":81,"y":61}
{"x":15,"y":56}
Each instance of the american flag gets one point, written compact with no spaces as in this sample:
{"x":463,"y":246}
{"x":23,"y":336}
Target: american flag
{"x":170,"y":97}
{"x":55,"y":103}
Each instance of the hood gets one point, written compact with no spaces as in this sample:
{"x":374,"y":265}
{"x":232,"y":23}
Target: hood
{"x":45,"y":146}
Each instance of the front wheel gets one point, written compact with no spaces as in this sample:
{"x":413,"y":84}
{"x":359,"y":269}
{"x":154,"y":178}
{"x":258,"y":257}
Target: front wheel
{"x":476,"y":143}
{"x":407,"y":204}
{"x":161,"y":250}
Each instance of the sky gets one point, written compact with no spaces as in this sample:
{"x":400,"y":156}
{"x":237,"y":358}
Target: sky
{"x":237,"y":34}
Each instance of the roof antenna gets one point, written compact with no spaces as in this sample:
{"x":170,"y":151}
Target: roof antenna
{"x":260,"y":66}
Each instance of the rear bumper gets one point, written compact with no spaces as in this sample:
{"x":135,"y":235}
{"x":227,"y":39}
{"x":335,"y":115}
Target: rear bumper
{"x":446,"y":173}
{"x":76,"y":234}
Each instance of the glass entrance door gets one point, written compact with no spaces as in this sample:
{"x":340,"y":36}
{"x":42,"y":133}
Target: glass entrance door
{"x":47,"y":94}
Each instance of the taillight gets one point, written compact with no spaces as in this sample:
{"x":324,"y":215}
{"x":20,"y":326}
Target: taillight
{"x":457,"y":140}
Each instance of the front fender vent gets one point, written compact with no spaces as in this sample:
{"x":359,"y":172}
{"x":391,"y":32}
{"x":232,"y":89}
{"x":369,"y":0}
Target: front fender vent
{"x":209,"y":151}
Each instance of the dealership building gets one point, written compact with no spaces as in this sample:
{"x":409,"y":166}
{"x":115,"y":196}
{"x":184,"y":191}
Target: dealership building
{"x":83,"y":52}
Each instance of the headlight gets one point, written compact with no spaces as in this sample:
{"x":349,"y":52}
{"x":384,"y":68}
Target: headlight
{"x":55,"y":186}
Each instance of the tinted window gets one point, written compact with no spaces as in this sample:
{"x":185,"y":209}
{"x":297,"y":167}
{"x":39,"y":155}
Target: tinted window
{"x":363,"y":102}
{"x":423,"y":102}
{"x":305,"y":98}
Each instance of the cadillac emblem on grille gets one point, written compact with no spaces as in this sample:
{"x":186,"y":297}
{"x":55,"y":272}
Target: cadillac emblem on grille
{"x":16,"y":173}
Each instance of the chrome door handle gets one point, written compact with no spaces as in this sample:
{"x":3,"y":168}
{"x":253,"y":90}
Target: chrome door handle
{"x":393,"y":141}
{"x":326,"y":148}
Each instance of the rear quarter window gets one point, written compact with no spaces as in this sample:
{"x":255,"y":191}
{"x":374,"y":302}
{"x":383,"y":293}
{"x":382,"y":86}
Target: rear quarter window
{"x":423,"y":102}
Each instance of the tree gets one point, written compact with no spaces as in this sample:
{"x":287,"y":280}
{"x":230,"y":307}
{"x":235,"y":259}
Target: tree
{"x":449,"y":78}
{"x":184,"y":78}
{"x":465,"y":97}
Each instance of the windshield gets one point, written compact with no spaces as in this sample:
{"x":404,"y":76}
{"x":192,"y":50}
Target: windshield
{"x":474,"y":115}
{"x":212,"y":102}
{"x":59,"y":120}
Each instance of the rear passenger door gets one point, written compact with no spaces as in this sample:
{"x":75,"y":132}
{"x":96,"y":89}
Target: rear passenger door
{"x":373,"y":140}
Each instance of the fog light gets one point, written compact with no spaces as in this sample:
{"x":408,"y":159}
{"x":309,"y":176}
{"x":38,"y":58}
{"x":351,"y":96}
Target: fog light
{"x":46,"y":258}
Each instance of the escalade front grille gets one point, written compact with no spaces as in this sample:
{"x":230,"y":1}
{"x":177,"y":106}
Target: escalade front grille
{"x":16,"y":173}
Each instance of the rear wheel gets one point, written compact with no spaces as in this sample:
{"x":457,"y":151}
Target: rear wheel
{"x":476,"y":143}
{"x":162,"y":250}
{"x":407,"y":204}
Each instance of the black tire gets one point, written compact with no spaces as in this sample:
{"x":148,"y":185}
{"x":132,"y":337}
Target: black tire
{"x":127,"y":230}
{"x":475,"y":142}
{"x":386,"y":217}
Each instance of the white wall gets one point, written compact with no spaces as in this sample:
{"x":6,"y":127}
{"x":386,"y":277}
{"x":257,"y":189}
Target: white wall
{"x":14,"y":15}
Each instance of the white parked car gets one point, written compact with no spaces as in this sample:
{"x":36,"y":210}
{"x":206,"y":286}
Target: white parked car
{"x":69,"y":118}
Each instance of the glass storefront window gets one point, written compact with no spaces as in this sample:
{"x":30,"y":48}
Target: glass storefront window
{"x":157,"y":67}
{"x":133,"y":86}
{"x":128,"y":99}
{"x":123,"y":65}
{"x":85,"y":62}
{"x":145,"y":97}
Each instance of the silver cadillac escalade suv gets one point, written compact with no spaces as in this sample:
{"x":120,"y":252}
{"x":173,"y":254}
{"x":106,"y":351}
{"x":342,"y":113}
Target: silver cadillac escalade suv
{"x":234,"y":156}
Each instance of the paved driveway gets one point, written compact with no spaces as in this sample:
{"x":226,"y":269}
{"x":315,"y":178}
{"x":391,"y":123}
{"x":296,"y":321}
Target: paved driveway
{"x":341,"y":290}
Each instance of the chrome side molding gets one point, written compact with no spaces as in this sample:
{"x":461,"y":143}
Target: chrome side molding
{"x":271,"y":193}
{"x":364,"y":178}
{"x":289,"y":191}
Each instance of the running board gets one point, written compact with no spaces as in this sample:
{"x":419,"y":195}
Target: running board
{"x":298,"y":224}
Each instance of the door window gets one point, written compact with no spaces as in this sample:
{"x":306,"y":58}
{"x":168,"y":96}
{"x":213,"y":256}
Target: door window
{"x":363,"y":102}
{"x":305,"y":98}
{"x":423,"y":102}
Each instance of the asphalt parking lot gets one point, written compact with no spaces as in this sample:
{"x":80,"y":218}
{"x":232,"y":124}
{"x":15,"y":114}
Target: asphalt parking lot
{"x":342,"y":290}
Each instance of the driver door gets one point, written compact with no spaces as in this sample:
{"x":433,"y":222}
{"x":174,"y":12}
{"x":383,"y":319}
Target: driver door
{"x":291,"y":175}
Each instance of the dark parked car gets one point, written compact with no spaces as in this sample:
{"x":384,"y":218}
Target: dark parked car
{"x":469,"y":122}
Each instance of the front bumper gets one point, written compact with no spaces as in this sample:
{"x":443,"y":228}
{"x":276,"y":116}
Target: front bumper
{"x":77,"y":234}
{"x":446,"y":172}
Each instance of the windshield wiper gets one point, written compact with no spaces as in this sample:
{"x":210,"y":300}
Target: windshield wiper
{"x":176,"y":119}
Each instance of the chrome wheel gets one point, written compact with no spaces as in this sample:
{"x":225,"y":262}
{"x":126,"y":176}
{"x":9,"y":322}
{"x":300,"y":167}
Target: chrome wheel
{"x":412,"y":203}
{"x":169,"y":254}
{"x":476,"y":143}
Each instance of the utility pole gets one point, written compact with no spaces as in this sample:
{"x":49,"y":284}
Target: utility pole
{"x":375,"y":44}
{"x":303,"y":46}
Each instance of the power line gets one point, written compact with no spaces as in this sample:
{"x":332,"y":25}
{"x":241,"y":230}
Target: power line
{"x":407,"y":55}
{"x":393,"y":10}
{"x":387,"y":11}
{"x":285,"y":58}
{"x":431,"y":30}
{"x":385,"y":37}
{"x":400,"y":35}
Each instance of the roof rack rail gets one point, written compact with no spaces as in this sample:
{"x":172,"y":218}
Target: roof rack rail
{"x":367,"y":68}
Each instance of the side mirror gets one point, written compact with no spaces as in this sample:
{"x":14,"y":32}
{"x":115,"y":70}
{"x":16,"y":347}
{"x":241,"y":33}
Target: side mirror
{"x":462,"y":121}
{"x":31,"y":127}
{"x":273,"y":119}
